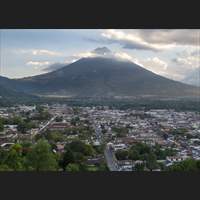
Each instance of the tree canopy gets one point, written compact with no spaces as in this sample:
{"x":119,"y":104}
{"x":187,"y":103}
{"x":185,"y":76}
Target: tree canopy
{"x":41,"y":158}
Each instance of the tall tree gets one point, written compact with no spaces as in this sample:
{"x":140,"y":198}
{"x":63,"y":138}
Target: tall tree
{"x":1,"y":126}
{"x":72,"y":167}
{"x":41,"y":158}
{"x":151,"y":161}
{"x":68,"y":157}
{"x":14,"y":158}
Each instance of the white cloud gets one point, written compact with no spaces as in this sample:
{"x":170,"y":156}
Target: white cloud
{"x":171,"y":36}
{"x":106,"y":54}
{"x":189,"y":58}
{"x":37,"y":64}
{"x":126,"y":57}
{"x":39,"y":52}
{"x":84,"y":55}
{"x":155,"y":40}
{"x":159,"y":62}
{"x":54,"y":66}
{"x":155,"y":65}
{"x":133,"y":40}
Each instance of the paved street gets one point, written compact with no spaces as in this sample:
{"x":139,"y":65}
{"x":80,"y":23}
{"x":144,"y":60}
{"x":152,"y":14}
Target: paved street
{"x":110,"y":159}
{"x":47,"y":124}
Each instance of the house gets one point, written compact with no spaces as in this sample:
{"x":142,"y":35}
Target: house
{"x":6,"y":145}
{"x":60,"y":147}
{"x":126,"y":165}
{"x":127,"y":140}
{"x":95,"y":161}
{"x":11,"y":127}
{"x":58,"y":126}
{"x":120,"y":146}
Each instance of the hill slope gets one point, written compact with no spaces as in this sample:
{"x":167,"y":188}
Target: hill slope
{"x":9,"y":95}
{"x":102,"y":77}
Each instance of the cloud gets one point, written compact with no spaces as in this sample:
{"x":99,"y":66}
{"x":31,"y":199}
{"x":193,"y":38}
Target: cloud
{"x":42,"y":52}
{"x":98,"y":52}
{"x":189,"y":58}
{"x":37,"y":64}
{"x":171,"y":36}
{"x":154,"y":40}
{"x":39,"y":52}
{"x":193,"y":77}
{"x":132,"y":40}
{"x":162,"y":64}
{"x":102,"y":51}
{"x":54,"y":66}
{"x":155,"y":65}
{"x":105,"y":53}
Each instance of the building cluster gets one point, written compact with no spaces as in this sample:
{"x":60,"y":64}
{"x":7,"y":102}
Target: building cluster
{"x":179,"y":131}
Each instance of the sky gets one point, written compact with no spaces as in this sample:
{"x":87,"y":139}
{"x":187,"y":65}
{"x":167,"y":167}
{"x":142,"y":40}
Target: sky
{"x":28,"y":52}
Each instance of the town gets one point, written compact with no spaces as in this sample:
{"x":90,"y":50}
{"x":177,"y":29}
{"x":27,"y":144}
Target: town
{"x":97,"y":138}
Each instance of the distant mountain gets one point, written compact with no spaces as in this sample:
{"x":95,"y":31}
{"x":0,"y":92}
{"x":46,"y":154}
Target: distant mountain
{"x":8,"y":95}
{"x":193,"y":78}
{"x":101,"y":77}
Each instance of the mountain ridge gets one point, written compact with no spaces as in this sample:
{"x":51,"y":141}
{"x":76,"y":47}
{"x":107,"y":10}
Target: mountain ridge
{"x":101,"y":77}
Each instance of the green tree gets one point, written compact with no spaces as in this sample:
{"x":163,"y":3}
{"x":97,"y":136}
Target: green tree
{"x":54,"y":136}
{"x":134,"y":154}
{"x":41,"y":158}
{"x":22,"y":127}
{"x":26,"y":147}
{"x":186,"y":165}
{"x":39,"y":108}
{"x":59,"y":119}
{"x":139,"y":151}
{"x":72,"y":167}
{"x":74,"y":121}
{"x":139,"y":167}
{"x":78,"y":146}
{"x":5,"y":167}
{"x":151,"y":161}
{"x":120,"y":131}
{"x":76,"y":152}
{"x":16,"y":120}
{"x":3,"y":156}
{"x":79,"y":157}
{"x":14,"y":158}
{"x":68,"y":157}
{"x":121,"y":154}
{"x":1,"y":126}
{"x":103,"y":167}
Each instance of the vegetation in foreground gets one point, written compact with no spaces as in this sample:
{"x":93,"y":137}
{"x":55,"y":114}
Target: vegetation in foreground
{"x":41,"y":157}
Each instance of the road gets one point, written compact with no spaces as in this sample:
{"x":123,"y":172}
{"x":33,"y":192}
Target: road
{"x":111,"y":159}
{"x":47,"y":124}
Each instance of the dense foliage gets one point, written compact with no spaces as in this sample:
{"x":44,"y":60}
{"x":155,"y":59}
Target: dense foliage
{"x":189,"y":165}
{"x":146,"y":153}
{"x":23,"y":157}
{"x":42,"y":156}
